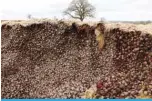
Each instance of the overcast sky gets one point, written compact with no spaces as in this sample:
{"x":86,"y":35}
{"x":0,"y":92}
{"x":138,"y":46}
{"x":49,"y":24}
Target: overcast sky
{"x":125,"y":10}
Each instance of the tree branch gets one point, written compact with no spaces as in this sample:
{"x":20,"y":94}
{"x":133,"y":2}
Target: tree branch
{"x":67,"y":13}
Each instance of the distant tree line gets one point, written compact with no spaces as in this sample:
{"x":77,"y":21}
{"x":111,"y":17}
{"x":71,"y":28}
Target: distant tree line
{"x":134,"y":22}
{"x":142,"y":22}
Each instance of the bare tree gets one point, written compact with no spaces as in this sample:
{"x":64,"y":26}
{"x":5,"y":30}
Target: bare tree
{"x":102,"y":19}
{"x":29,"y":16}
{"x":80,"y":9}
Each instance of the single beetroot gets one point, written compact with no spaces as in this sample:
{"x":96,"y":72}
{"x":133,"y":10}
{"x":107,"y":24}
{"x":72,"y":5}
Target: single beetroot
{"x":99,"y":85}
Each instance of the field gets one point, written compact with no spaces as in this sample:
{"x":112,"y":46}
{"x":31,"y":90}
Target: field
{"x":46,"y":59}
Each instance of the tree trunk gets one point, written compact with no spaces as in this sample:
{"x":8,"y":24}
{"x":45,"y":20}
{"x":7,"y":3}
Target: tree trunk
{"x":81,"y":19}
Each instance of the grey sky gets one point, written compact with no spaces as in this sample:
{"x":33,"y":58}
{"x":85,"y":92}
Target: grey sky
{"x":110,"y":9}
